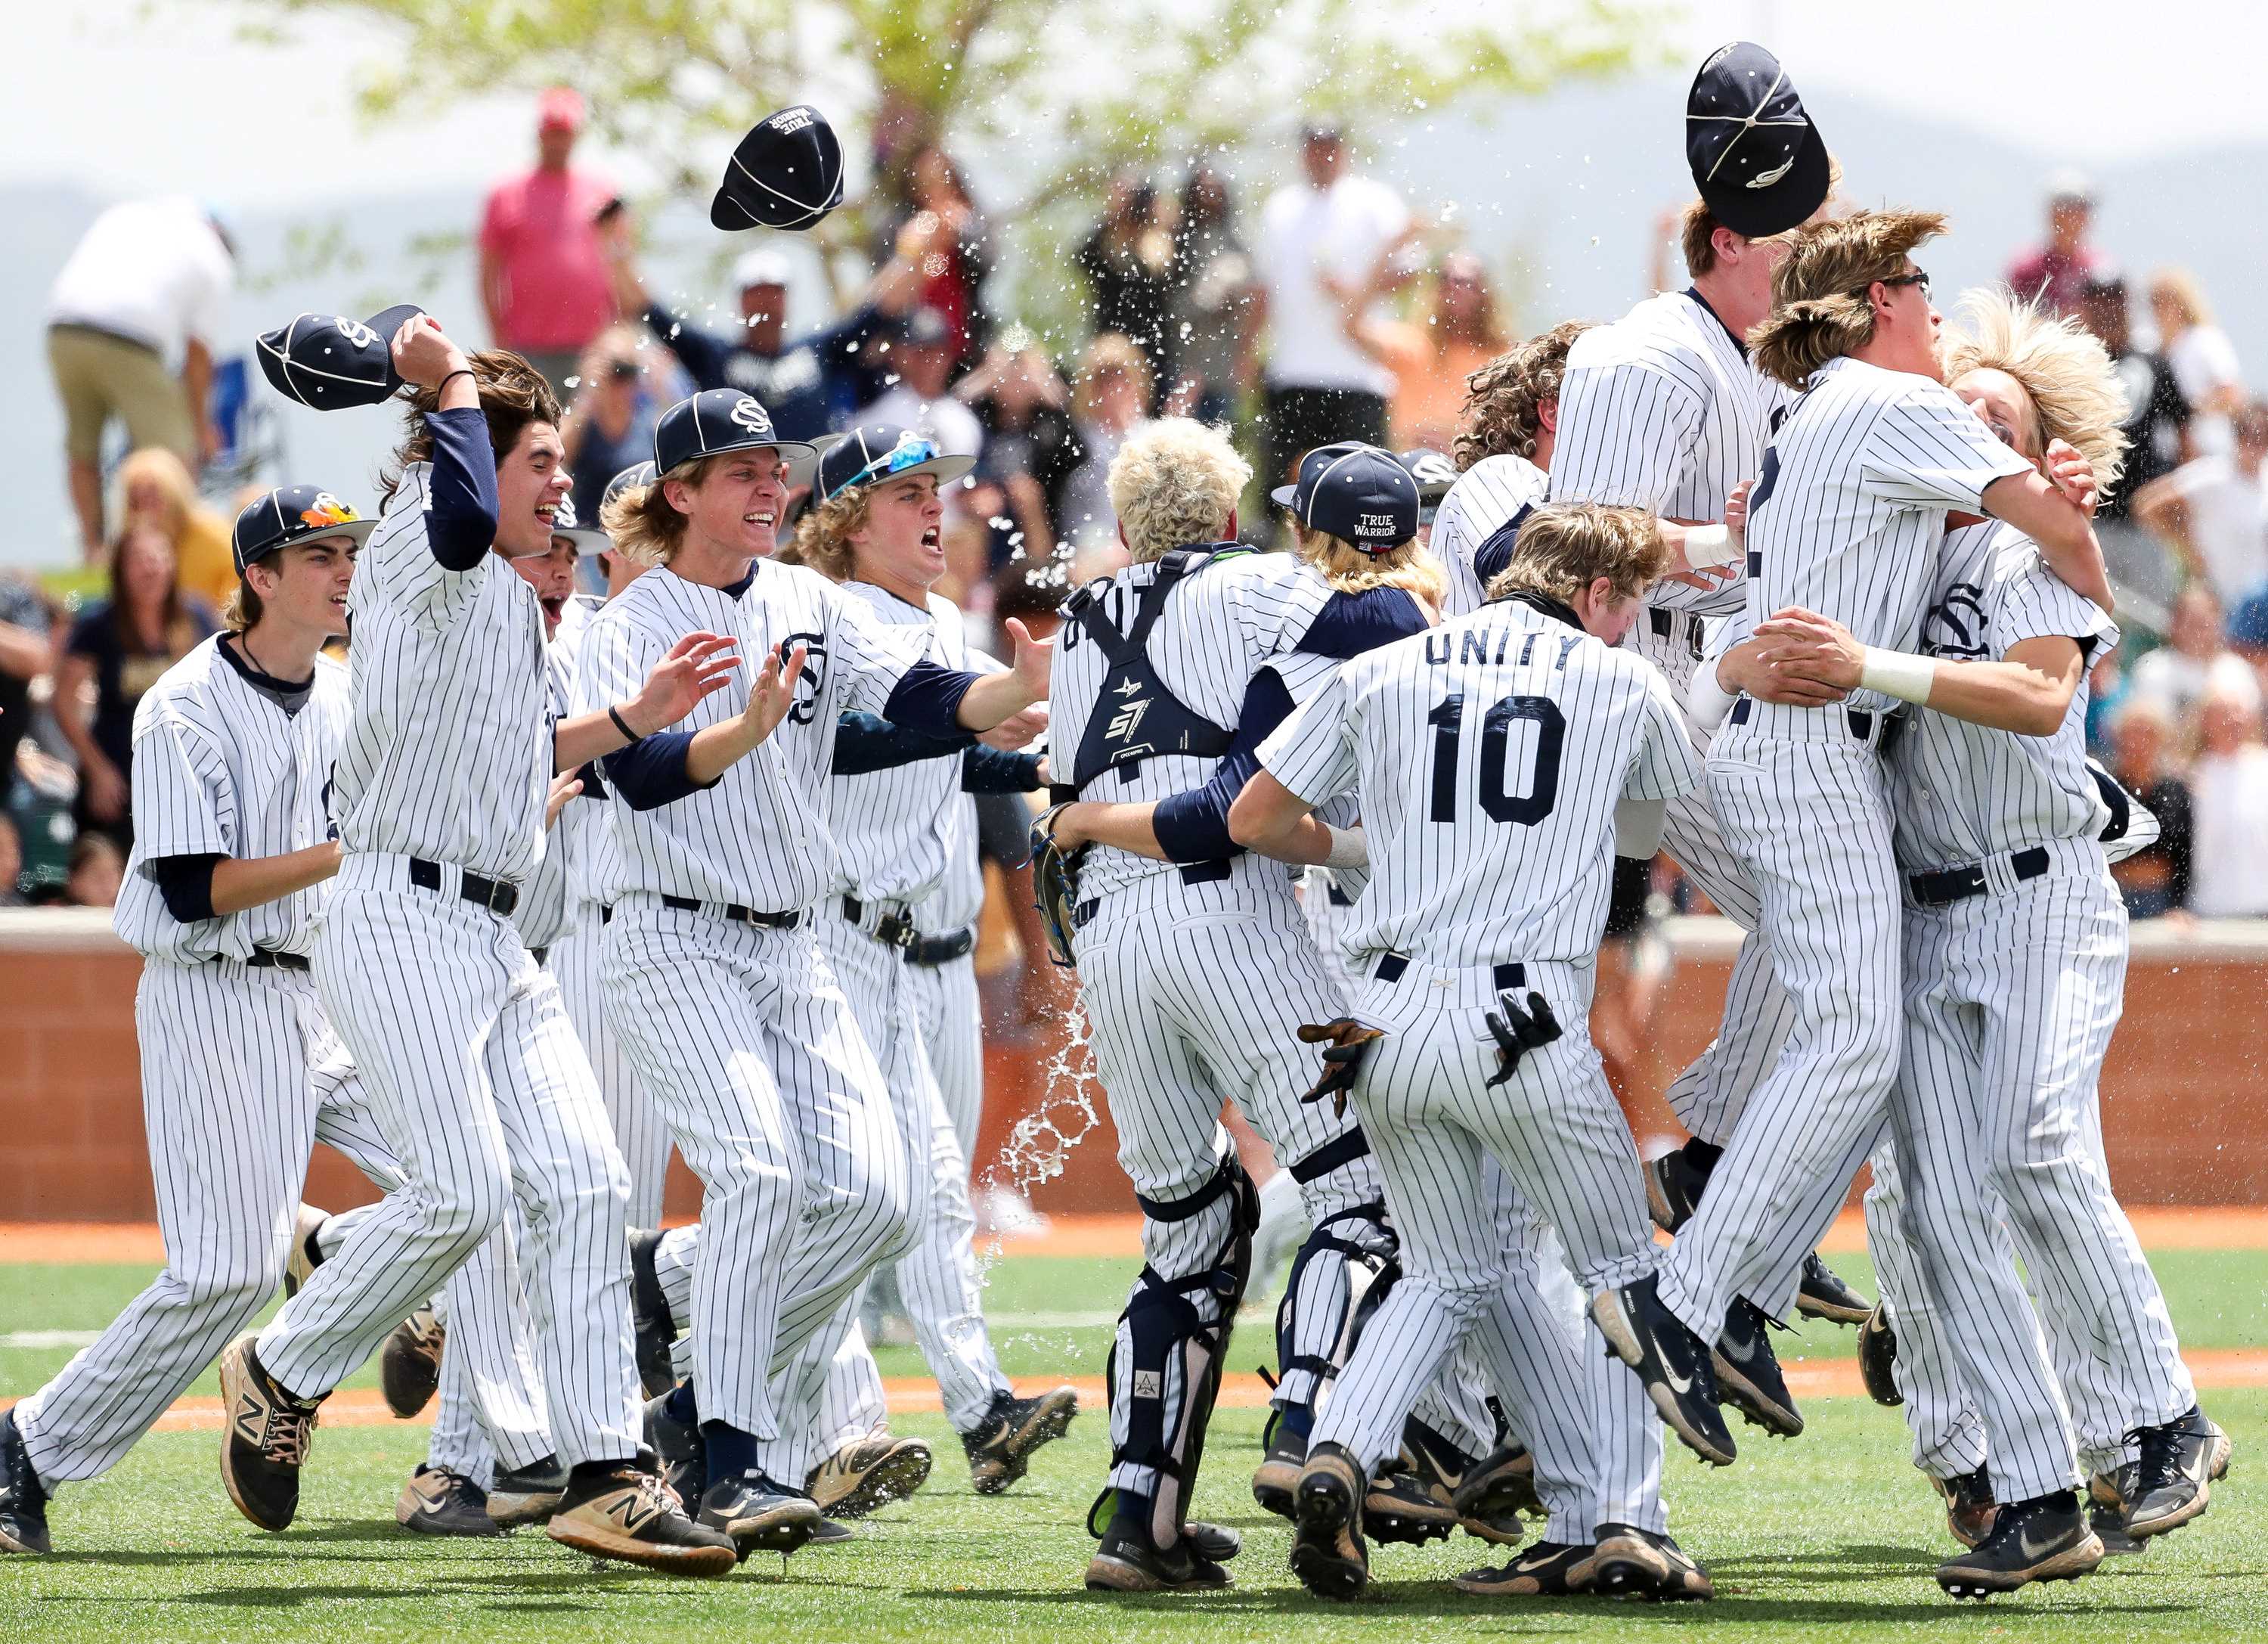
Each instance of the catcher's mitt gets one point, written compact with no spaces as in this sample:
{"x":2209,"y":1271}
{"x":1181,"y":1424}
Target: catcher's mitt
{"x":1055,"y":880}
{"x":1348,"y":1043}
{"x":1520,"y":1031}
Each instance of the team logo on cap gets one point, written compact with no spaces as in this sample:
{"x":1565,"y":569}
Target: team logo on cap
{"x":327,"y":509}
{"x":749,"y":414}
{"x":788,"y":120}
{"x":354,"y":332}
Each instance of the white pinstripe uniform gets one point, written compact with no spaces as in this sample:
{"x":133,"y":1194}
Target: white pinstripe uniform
{"x":738,"y":1030}
{"x":1664,"y":410}
{"x":1485,"y":498}
{"x":474,"y":1074}
{"x":1845,"y":520}
{"x":2012,"y":989}
{"x":1489,"y":755}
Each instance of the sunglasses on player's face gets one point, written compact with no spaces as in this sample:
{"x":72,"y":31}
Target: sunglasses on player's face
{"x":1913,"y":276}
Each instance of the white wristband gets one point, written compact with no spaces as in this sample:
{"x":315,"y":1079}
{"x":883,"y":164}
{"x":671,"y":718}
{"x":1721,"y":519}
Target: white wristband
{"x":1349,"y":848}
{"x":1897,"y":674}
{"x":1709,"y":545}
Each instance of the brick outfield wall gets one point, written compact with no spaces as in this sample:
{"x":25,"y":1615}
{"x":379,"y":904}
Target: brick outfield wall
{"x":2180,"y":1110}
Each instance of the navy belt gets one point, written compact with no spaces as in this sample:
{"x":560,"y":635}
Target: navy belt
{"x":1665,"y":623}
{"x":542,"y":955}
{"x":262,"y":959}
{"x":939,"y":950}
{"x":1391,"y":967}
{"x":498,"y":897}
{"x":1958,"y":884}
{"x":1339,"y":898}
{"x":1191,"y":873}
{"x":735,"y":912}
{"x":1861,"y":722}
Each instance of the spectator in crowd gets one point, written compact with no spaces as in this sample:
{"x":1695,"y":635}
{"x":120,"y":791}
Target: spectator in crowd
{"x":609,"y":423}
{"x":1029,"y":449}
{"x":2213,"y":511}
{"x":157,"y":491}
{"x":917,"y":357}
{"x":114,"y":653}
{"x":2203,"y":359}
{"x":2155,"y":880}
{"x":810,"y":384}
{"x":2193,"y":663}
{"x":2054,"y":276}
{"x":1213,"y":314}
{"x":2247,"y":637}
{"x":956,"y":257}
{"x":1432,"y":360}
{"x":131,"y":324}
{"x":98,"y":869}
{"x":26,"y":649}
{"x":11,"y":864}
{"x":544,"y":279}
{"x":2230,"y":786}
{"x":1321,"y":241}
{"x":2156,"y":416}
{"x":1130,"y":268}
{"x":1109,"y":396}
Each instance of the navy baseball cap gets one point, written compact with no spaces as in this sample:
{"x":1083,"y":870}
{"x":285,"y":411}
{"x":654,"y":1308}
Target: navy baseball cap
{"x":1757,"y":159}
{"x":787,"y":173}
{"x":1358,"y":493}
{"x":717,"y":420}
{"x":588,"y":539}
{"x":1434,"y":474}
{"x":294,"y":513}
{"x":328,"y":361}
{"x":638,"y":474}
{"x":875,"y":452}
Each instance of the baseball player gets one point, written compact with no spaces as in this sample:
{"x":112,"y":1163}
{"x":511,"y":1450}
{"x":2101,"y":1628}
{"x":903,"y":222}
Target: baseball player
{"x":713,"y":979}
{"x":1490,"y":756}
{"x":474,"y":1073}
{"x":1847,"y":510}
{"x":1504,"y":450}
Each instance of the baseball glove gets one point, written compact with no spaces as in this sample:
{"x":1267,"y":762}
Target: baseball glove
{"x":1519,"y":1031}
{"x":1055,"y":879}
{"x":1348,"y":1041}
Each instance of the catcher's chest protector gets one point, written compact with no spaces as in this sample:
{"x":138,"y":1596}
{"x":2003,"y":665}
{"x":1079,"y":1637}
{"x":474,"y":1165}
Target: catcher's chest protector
{"x":1136,"y":716}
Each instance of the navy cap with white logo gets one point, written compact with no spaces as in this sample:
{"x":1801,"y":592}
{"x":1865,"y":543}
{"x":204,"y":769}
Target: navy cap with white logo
{"x":787,"y":173}
{"x":875,"y":451}
{"x":717,"y":420}
{"x":1435,"y":474}
{"x":328,"y":361}
{"x":1756,"y":159}
{"x":294,"y":513}
{"x":1358,"y":493}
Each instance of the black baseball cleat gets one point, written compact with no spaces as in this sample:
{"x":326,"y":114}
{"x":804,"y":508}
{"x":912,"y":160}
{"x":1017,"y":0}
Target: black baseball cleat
{"x":1403,"y":1505}
{"x":2106,"y":1512}
{"x":1277,"y":1479}
{"x":438,"y":1502}
{"x":1327,"y":1554}
{"x":2043,"y":1539}
{"x":678,"y":1445}
{"x":1970,"y":1507}
{"x":410,"y":1362}
{"x":1500,"y":1485}
{"x":622,"y":1511}
{"x":830,"y":1532}
{"x":1674,"y":1185}
{"x":868,"y":1473}
{"x":1747,"y":1372}
{"x":1217,"y":1543}
{"x":528,"y":1495}
{"x":1672,"y":1361}
{"x":757,"y":1512}
{"x":1820,"y":1293}
{"x":1550,"y":1569}
{"x":651,"y":1324}
{"x":1127,"y":1563}
{"x":1878,"y":1357}
{"x":1000,"y":1449}
{"x":1634,"y":1563}
{"x":266,"y":1442}
{"x":22,"y":1498}
{"x":2172,"y":1479}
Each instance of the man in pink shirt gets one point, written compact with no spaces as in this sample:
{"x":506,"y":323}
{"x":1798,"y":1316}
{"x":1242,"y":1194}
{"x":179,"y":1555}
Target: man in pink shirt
{"x":2055,"y":274}
{"x":543,"y":274}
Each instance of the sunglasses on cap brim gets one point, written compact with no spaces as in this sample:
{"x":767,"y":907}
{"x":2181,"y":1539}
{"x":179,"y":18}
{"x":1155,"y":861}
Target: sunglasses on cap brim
{"x":907,"y":456}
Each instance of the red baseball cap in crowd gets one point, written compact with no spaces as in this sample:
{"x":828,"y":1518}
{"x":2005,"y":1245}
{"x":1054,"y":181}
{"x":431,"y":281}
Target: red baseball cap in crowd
{"x":561,"y":106}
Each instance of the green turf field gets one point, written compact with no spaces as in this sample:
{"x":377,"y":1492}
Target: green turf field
{"x":1830,"y":1537}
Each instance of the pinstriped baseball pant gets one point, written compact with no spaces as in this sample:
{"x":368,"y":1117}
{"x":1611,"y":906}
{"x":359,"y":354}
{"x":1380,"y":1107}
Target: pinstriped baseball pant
{"x":1567,"y":1160}
{"x":639,"y":1130}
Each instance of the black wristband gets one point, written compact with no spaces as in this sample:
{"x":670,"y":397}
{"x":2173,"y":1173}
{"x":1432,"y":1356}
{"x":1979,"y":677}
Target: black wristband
{"x":622,"y":724}
{"x":462,"y":370}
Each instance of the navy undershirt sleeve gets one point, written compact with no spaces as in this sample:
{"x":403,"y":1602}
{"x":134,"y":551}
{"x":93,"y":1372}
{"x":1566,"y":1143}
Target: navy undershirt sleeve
{"x":651,"y":772}
{"x":186,"y":884}
{"x":996,"y":770}
{"x":1353,"y":623}
{"x":1492,"y":555}
{"x":928,"y":698}
{"x":867,"y":742}
{"x":460,"y":519}
{"x":1192,"y":826}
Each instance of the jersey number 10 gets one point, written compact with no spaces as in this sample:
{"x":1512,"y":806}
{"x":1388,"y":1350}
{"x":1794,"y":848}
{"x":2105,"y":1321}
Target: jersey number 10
{"x":1542,"y":785}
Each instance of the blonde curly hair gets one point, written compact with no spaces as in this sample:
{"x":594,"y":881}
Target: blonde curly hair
{"x":1350,"y":569}
{"x":644,"y":524}
{"x":1505,"y":399}
{"x":1564,"y":546}
{"x":1175,"y":484}
{"x":1820,"y":308}
{"x":2066,"y":374}
{"x":822,"y":537}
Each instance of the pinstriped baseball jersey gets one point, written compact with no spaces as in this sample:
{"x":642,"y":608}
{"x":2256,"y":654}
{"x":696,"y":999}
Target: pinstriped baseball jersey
{"x":582,"y":836}
{"x":1218,"y":627}
{"x":448,"y":754}
{"x":1849,"y":508}
{"x":221,"y":768}
{"x":1489,"y":755}
{"x":1963,"y":792}
{"x":761,"y":835}
{"x":1484,"y":496}
{"x":957,"y":898}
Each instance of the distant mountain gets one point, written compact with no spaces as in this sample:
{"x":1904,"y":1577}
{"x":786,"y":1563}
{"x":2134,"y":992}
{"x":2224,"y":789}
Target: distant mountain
{"x":1560,"y":194}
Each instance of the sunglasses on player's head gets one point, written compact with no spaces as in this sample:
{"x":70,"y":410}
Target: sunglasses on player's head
{"x":1915,"y":277}
{"x":908,"y":453}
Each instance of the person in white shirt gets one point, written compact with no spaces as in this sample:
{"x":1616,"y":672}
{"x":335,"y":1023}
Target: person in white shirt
{"x":2229,"y":790}
{"x":131,"y":323}
{"x":1321,"y":239}
{"x":2194,"y":662}
{"x":921,"y":356}
{"x":2214,"y":511}
{"x":2203,"y":359}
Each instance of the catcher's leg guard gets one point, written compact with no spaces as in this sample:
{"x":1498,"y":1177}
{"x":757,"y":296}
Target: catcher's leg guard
{"x":1334,"y":1283}
{"x":1167,"y":1361}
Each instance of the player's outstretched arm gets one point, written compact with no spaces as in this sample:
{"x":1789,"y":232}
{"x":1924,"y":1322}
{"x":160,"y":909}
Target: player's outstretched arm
{"x":2057,"y":510}
{"x":696,"y":666}
{"x":715,"y":748}
{"x":2027,"y":692}
{"x":994,"y":698}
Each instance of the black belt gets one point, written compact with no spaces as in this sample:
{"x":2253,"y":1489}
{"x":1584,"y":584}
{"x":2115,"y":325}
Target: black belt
{"x":1339,"y":898}
{"x":1392,"y":966}
{"x":897,"y":929}
{"x":1667,"y":623}
{"x":498,"y":897}
{"x":735,"y":912}
{"x":262,"y":959}
{"x":1958,"y":884}
{"x":939,"y":950}
{"x":542,"y":955}
{"x":1861,"y":722}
